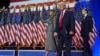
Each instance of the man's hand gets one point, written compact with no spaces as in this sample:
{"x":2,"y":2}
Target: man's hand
{"x":55,"y":34}
{"x":71,"y":32}
{"x":90,"y":34}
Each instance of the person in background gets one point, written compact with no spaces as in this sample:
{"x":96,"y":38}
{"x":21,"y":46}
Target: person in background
{"x":50,"y":40}
{"x":86,"y":31}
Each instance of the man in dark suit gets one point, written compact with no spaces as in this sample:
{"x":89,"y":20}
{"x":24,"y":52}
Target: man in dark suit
{"x":65,"y":26}
{"x":86,"y":32}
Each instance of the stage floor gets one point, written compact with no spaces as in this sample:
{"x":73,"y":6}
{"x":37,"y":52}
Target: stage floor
{"x":35,"y":53}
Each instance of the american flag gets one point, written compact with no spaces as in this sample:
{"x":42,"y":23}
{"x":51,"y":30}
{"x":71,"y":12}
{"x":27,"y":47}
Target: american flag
{"x":35,"y":24}
{"x":77,"y":37}
{"x":92,"y":38}
{"x":19,"y":33}
{"x":2,"y":32}
{"x":17,"y":26}
{"x":17,"y":38}
{"x":41,"y":31}
{"x":34,"y":31}
{"x":8,"y":28}
{"x":12,"y":27}
{"x":27,"y":29}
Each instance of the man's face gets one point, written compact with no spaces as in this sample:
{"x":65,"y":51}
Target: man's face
{"x":61,"y":7}
{"x":83,"y":11}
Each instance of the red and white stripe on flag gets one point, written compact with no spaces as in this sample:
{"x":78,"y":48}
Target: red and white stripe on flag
{"x":26,"y":34}
{"x":21,"y":35}
{"x":92,"y":38}
{"x":41,"y":32}
{"x":2,"y":37}
{"x":77,"y":37}
{"x":17,"y":34}
{"x":12,"y":32}
{"x":34,"y":32}
{"x":8,"y":32}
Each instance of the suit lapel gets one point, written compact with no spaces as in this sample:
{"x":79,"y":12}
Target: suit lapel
{"x":85,"y":17}
{"x":65,"y":13}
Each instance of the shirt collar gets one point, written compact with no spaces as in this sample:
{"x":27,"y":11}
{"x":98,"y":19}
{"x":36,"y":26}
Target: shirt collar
{"x":85,"y":15}
{"x":64,"y":11}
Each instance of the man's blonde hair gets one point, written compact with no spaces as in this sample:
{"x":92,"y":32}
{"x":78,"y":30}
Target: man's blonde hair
{"x":62,"y":3}
{"x":53,"y":11}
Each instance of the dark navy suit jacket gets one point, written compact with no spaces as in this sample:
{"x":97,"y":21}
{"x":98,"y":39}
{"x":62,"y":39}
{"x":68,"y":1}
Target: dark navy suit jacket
{"x":68,"y":24}
{"x":87,"y":25}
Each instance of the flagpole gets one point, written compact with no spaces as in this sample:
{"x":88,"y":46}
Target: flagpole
{"x":17,"y":46}
{"x":16,"y":52}
{"x":2,"y":10}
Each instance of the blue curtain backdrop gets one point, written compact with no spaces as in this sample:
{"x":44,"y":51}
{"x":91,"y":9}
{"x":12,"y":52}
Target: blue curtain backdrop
{"x":95,"y":5}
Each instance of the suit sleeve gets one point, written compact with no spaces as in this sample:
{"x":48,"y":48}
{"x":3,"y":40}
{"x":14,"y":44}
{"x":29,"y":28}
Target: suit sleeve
{"x":54,"y":22}
{"x":56,"y":25}
{"x":90,"y":24}
{"x":72,"y":22}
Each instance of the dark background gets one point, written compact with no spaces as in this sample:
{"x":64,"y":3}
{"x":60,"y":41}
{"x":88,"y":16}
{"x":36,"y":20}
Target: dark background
{"x":5,"y":3}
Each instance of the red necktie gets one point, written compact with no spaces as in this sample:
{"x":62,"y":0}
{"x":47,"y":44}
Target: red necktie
{"x":60,"y":20}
